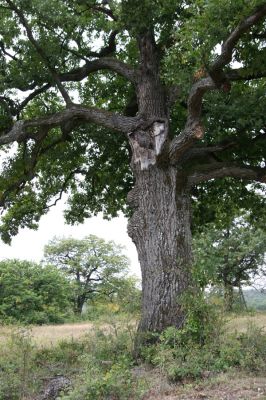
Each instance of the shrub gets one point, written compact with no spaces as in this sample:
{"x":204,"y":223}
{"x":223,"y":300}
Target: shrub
{"x":202,"y":346}
{"x":33,"y":294}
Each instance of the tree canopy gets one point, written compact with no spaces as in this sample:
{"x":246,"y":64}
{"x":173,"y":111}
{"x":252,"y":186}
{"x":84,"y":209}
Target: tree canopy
{"x":85,"y":54}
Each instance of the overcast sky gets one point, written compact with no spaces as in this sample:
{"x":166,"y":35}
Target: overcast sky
{"x":28,"y":244}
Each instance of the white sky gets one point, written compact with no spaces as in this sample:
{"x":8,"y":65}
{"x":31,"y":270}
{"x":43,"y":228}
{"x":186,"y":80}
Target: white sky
{"x":29,"y":244}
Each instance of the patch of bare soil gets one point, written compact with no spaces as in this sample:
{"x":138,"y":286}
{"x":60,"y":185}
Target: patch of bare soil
{"x":222,"y":387}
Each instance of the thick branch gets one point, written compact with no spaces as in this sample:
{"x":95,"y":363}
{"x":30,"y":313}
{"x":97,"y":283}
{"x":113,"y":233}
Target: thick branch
{"x":206,"y":151}
{"x":193,"y":129}
{"x":241,"y":74}
{"x":229,"y":44}
{"x":21,"y":130}
{"x":109,"y":63}
{"x":223,"y":169}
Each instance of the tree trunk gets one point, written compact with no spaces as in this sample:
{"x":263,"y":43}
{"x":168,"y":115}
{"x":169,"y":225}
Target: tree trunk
{"x":160,"y":229}
{"x":228,"y":296}
{"x":80,"y":300}
{"x":160,"y":225}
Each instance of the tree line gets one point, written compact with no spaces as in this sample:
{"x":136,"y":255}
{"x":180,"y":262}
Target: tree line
{"x":79,"y":273}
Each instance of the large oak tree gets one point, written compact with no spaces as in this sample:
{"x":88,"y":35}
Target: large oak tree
{"x":86,"y":83}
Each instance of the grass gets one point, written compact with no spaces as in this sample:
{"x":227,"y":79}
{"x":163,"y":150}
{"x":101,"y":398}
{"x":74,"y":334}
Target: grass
{"x":240,"y":323}
{"x":98,"y":360}
{"x":50,"y":335}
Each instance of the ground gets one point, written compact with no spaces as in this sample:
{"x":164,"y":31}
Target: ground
{"x":223,"y":386}
{"x":228,"y":386}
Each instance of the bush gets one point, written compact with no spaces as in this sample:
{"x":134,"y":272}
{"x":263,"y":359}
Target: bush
{"x":202,"y":346}
{"x":33,"y":294}
{"x":107,"y":365}
{"x":98,"y":365}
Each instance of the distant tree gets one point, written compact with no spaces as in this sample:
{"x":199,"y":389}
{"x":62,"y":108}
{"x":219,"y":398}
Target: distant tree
{"x":96,"y":266}
{"x":230,"y":257}
{"x":128,"y":296}
{"x":32,"y":293}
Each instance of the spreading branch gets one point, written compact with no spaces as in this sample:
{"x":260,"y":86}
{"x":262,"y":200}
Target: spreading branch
{"x":193,"y":128}
{"x":109,"y":63}
{"x":241,"y":74}
{"x":228,"y":46}
{"x":226,"y":169}
{"x":40,"y":51}
{"x":22,"y":130}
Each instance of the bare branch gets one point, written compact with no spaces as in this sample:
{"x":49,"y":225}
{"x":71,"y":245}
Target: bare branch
{"x":63,"y":188}
{"x":32,"y":95}
{"x":5,"y":52}
{"x":225,"y":169}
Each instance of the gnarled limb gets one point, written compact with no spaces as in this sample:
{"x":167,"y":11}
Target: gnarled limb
{"x":193,"y":129}
{"x":226,"y":169}
{"x":21,"y":130}
{"x":110,"y":63}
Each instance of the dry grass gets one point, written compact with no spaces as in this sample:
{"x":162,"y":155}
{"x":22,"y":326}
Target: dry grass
{"x":241,"y":323}
{"x":224,"y":386}
{"x":49,"y":335}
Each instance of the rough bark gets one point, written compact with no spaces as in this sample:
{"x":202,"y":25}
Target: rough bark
{"x":160,"y":229}
{"x":160,"y":225}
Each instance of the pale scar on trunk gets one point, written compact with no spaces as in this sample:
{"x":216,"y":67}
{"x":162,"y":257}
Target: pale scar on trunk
{"x":147,"y":145}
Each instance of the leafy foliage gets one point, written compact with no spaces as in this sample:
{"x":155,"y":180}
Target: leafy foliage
{"x":33,"y":294}
{"x":230,"y":257}
{"x":91,"y":163}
